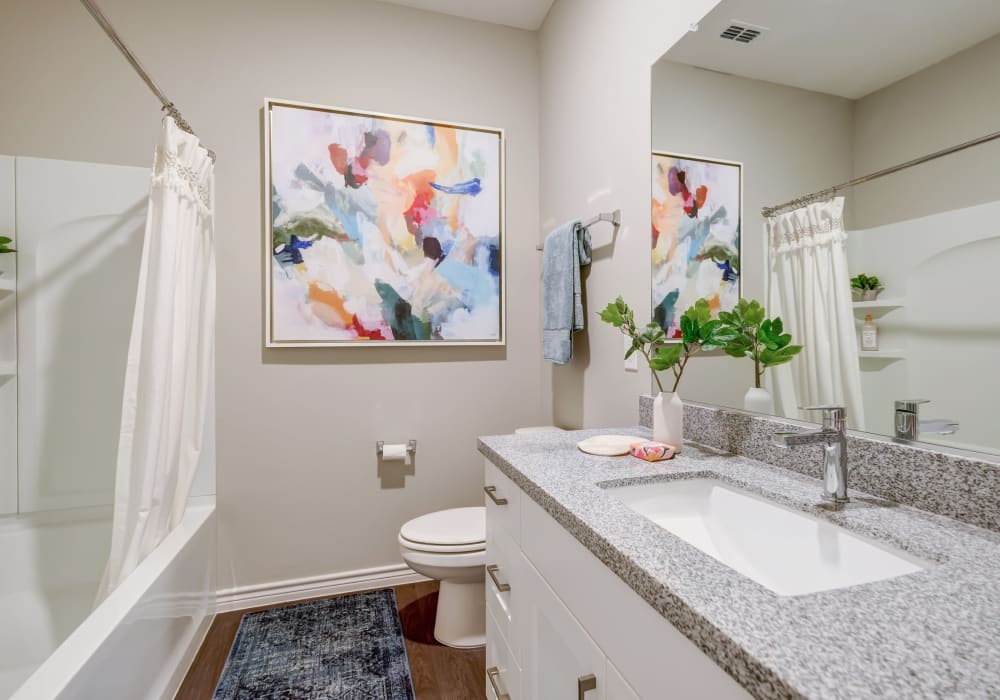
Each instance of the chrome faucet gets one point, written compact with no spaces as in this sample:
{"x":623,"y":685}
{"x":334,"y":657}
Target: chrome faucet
{"x":908,"y":423}
{"x":833,"y":434}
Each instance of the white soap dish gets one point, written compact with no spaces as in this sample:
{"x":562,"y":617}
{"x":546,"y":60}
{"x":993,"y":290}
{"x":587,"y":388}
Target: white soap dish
{"x":608,"y":445}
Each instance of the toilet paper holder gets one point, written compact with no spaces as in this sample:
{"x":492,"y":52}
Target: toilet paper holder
{"x":411,"y":447}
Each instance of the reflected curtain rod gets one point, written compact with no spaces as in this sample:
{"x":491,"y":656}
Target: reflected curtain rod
{"x":830,"y":191}
{"x":169,"y":107}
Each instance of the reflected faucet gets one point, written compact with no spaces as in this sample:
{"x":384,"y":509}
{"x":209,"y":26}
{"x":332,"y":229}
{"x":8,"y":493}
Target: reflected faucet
{"x":832,"y":434}
{"x":909,"y":426}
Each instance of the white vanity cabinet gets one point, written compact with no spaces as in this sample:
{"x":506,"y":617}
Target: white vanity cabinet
{"x":562,"y":626}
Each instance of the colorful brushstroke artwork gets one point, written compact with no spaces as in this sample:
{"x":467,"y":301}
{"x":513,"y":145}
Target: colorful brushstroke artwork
{"x":382,"y":230}
{"x":696,"y":216}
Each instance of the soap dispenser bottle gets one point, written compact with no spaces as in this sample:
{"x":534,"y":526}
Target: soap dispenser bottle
{"x":869,"y":334}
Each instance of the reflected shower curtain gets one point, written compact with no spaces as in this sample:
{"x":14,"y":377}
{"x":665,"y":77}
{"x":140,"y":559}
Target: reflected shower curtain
{"x":810,"y":289}
{"x":169,"y":357}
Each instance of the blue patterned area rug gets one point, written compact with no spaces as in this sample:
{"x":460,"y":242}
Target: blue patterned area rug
{"x":347,"y":648}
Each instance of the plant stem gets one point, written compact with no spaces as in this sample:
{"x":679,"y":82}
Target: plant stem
{"x":659,"y":384}
{"x":645,"y":353}
{"x":679,"y":367}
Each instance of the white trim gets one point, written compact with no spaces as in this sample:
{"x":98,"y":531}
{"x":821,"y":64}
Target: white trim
{"x":188,"y":657}
{"x":276,"y":592}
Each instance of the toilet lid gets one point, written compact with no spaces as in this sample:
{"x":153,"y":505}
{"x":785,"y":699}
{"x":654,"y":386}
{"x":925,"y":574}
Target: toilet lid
{"x":457,"y":526}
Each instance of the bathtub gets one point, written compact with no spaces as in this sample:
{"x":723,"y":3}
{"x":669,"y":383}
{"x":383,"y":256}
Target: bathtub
{"x":138,"y":643}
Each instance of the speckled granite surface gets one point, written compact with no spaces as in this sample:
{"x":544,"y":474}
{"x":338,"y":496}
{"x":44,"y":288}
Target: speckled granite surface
{"x":918,"y":475}
{"x":929,"y":634}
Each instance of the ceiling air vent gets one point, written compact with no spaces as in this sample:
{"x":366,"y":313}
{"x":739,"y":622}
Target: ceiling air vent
{"x":742,"y":32}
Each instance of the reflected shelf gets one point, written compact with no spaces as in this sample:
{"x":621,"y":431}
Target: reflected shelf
{"x":7,"y":370}
{"x":7,"y":285}
{"x":881,"y":355}
{"x":887,"y":304}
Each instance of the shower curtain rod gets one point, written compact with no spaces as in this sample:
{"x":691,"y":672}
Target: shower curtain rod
{"x":830,"y":191}
{"x":168,"y":106}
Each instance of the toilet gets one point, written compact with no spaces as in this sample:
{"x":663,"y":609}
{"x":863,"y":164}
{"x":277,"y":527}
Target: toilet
{"x":450,"y":546}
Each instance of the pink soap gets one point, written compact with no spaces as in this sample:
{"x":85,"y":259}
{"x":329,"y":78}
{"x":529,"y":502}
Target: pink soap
{"x":651,"y":451}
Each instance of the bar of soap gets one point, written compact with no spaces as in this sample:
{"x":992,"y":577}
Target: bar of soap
{"x":652,"y":451}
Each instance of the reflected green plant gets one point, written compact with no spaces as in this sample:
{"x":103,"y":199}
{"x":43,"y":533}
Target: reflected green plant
{"x":755,"y":336}
{"x":699,"y":331}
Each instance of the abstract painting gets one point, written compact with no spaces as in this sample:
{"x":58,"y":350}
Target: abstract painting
{"x":382,"y":230}
{"x":697,"y":222}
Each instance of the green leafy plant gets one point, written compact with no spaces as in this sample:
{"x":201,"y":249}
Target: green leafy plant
{"x":755,"y":336}
{"x":5,"y":242}
{"x":698,"y":332}
{"x":865,"y":282}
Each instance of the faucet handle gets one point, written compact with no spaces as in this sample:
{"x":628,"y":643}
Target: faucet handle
{"x":911,"y":405}
{"x":833,"y":416}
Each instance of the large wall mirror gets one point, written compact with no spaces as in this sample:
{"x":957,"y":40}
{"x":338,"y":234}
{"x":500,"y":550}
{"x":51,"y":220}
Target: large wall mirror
{"x":806,"y":95}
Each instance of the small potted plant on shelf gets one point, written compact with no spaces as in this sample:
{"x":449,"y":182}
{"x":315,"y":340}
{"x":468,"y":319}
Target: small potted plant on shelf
{"x":761,"y":339}
{"x":865,"y":287}
{"x":5,"y":242}
{"x":698,"y":332}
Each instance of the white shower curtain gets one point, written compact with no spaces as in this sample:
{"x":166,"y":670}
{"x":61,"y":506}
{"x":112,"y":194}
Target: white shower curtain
{"x":809,"y":288}
{"x":169,"y":357}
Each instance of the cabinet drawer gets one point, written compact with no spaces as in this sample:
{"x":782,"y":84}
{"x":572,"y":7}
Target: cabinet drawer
{"x":503,"y":503}
{"x":504,"y":586}
{"x":502,"y":672}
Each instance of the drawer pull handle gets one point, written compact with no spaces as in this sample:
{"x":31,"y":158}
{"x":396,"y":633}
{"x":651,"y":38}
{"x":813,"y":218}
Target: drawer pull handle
{"x":492,"y":672}
{"x":585,"y":683}
{"x":491,"y":491}
{"x":492,"y":570}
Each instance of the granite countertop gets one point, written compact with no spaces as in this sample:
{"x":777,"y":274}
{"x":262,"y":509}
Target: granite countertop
{"x":934,"y":633}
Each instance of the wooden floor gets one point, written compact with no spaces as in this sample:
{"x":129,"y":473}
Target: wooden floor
{"x":439,"y":672}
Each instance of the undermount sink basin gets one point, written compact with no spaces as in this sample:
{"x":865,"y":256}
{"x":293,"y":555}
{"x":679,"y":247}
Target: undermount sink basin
{"x":785,"y":550}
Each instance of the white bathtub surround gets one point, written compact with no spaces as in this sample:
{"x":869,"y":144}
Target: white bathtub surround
{"x":170,"y":355}
{"x":668,"y":419}
{"x":810,"y":290}
{"x":139,"y":642}
{"x":51,"y":563}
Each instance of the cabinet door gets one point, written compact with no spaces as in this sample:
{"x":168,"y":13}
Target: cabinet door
{"x":559,"y":660}
{"x":617,"y":687}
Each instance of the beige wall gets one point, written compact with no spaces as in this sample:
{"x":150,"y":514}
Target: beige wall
{"x":790,"y":141}
{"x":298,"y":489}
{"x":595,"y":143}
{"x":951,"y":102}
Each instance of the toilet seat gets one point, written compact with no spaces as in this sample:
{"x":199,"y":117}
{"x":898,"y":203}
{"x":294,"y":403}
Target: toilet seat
{"x":442,"y":548}
{"x":452,"y":531}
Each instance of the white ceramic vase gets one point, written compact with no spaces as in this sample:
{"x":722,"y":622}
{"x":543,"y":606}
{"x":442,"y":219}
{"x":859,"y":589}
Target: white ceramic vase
{"x":668,"y":419}
{"x":758,"y":400}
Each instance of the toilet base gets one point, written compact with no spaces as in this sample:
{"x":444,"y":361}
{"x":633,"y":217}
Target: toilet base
{"x":461,"y":614}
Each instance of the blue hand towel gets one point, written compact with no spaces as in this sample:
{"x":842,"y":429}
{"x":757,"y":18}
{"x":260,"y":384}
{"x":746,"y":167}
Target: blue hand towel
{"x":565,"y":250}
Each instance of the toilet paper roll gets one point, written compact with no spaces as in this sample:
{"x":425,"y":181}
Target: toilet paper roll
{"x":394,"y":453}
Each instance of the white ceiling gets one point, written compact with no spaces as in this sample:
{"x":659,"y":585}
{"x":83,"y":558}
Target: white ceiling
{"x":841,"y":47}
{"x":523,"y":14}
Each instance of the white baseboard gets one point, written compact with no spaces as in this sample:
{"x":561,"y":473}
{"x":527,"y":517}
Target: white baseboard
{"x":277,"y":592}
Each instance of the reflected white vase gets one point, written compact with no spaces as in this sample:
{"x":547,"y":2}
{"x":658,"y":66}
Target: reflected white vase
{"x":668,"y":419}
{"x":758,"y":400}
